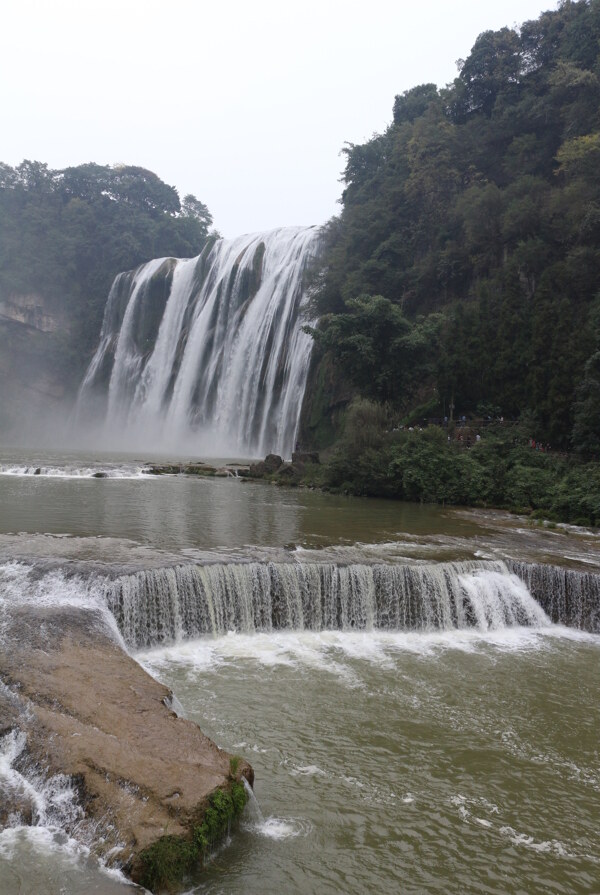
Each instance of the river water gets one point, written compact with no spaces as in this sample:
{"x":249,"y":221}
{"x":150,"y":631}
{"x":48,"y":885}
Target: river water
{"x":434,"y":761}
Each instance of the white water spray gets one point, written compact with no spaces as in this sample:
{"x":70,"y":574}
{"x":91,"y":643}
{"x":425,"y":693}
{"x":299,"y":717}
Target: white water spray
{"x":272,"y":827}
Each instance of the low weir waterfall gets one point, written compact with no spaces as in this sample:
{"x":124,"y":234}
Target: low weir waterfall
{"x":166,"y":605}
{"x":206,"y":352}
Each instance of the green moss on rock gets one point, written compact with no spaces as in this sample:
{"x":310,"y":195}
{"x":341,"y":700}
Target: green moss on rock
{"x":165,"y":864}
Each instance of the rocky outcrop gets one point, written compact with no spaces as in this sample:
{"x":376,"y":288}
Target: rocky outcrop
{"x":33,"y":311}
{"x":326,"y":397}
{"x":34,"y":367}
{"x":269,"y":465}
{"x":197,"y":468}
{"x":155,"y":790}
{"x":276,"y":470}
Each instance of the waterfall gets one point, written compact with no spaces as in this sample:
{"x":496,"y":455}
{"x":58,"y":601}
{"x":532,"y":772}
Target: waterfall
{"x":568,"y":597}
{"x":160,"y":606}
{"x":206,"y":352}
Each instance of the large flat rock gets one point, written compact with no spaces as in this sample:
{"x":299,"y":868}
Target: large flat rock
{"x":91,"y":712}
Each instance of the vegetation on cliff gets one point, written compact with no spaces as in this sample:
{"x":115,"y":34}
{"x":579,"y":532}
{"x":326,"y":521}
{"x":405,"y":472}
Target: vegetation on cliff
{"x":464,"y":270}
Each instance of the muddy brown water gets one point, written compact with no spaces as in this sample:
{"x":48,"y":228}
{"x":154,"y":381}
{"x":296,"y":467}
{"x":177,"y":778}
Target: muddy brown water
{"x":386,"y":762}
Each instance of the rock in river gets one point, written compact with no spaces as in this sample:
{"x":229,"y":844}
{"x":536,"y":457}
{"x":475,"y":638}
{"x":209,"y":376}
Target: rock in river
{"x":154,"y":789}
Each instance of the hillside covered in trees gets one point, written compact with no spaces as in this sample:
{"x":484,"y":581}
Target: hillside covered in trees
{"x":463,"y":274}
{"x":64,"y":236}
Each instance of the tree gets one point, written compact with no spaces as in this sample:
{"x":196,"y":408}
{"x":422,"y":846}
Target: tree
{"x":377,"y":348}
{"x":197,"y":210}
{"x":413,"y":103}
{"x":493,"y":65}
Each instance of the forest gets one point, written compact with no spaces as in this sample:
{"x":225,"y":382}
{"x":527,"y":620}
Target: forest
{"x":458,"y":344}
{"x":462,"y":276}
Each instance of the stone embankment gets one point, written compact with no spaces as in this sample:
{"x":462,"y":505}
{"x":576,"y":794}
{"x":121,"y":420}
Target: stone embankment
{"x":153,"y":792}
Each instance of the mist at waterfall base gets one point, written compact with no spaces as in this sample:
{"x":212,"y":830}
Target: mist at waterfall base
{"x":205,"y":355}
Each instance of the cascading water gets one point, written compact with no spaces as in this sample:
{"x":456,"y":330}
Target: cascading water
{"x":36,"y":798}
{"x":160,"y":606}
{"x":207,"y":352}
{"x":568,"y":597}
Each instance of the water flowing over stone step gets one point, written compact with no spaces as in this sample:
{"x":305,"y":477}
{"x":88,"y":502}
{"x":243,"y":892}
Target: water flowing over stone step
{"x":169,"y":604}
{"x":209,"y":348}
{"x":568,"y":598}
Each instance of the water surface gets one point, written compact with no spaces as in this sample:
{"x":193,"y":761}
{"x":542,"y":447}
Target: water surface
{"x":404,"y":763}
{"x":450,"y":762}
{"x":136,"y":518}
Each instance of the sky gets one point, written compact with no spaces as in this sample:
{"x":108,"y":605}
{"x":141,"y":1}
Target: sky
{"x":244,"y":104}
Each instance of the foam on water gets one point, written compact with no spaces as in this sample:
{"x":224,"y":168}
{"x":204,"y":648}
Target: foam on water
{"x":51,"y":801}
{"x":77,"y":472}
{"x":20,"y":583}
{"x":272,"y":827}
{"x":466,"y":808}
{"x":334,"y":652}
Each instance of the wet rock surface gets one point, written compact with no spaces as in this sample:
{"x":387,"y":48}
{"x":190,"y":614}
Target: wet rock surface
{"x":197,"y":469}
{"x":277,"y":470}
{"x":90,"y":712}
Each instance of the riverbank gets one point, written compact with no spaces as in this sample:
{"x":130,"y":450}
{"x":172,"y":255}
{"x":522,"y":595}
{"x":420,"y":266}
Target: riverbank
{"x":499,"y":471}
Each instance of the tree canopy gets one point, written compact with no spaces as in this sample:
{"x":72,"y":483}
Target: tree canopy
{"x":479,"y":207}
{"x":65,"y":234}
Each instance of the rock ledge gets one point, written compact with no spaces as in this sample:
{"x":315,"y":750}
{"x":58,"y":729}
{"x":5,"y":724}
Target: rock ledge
{"x":154,"y":790}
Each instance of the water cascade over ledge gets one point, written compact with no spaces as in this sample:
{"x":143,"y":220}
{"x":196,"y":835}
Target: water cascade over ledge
{"x":206,"y":352}
{"x":160,"y":606}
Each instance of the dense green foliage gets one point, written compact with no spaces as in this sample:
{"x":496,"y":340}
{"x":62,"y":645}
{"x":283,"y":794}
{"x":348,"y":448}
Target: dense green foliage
{"x":464,"y":269}
{"x":500,"y":470}
{"x":66,"y":234}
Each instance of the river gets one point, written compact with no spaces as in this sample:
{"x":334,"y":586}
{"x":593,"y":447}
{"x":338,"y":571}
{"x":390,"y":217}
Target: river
{"x":447,"y":758}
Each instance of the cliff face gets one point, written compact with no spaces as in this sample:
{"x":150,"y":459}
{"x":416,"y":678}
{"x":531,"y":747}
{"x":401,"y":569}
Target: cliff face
{"x":326,"y":398}
{"x":32,"y":311}
{"x":145,"y":779}
{"x":34,"y":358}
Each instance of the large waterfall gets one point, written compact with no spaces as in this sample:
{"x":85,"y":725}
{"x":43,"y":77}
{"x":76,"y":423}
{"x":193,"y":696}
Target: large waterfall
{"x":206,"y":353}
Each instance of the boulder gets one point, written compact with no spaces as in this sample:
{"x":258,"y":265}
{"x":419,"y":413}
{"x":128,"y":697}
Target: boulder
{"x":289,"y":473}
{"x":199,"y":469}
{"x":272,"y":463}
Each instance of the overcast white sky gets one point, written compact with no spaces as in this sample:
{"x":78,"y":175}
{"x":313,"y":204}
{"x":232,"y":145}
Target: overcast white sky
{"x":244,"y":104}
